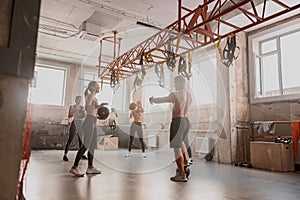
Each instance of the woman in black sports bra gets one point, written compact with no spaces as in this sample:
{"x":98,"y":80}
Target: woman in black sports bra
{"x":76,"y":116}
{"x":89,"y":130}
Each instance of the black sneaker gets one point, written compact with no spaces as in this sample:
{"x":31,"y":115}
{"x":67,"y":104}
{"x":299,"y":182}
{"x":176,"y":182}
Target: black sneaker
{"x":84,"y":157}
{"x":190,"y":161}
{"x":65,"y":158}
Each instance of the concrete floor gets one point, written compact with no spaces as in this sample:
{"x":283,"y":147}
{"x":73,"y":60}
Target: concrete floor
{"x":138,"y":178}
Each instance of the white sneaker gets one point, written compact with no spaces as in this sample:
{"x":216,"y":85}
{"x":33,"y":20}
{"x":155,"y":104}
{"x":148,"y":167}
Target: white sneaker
{"x":190,"y":161}
{"x":144,"y":155}
{"x":93,"y":170}
{"x":127,"y":155}
{"x":76,"y":171}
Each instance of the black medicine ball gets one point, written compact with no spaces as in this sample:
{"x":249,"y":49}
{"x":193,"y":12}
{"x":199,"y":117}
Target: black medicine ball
{"x":132,"y":106}
{"x":103,"y":113}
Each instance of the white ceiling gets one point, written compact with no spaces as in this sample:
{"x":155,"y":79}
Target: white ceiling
{"x":60,"y":21}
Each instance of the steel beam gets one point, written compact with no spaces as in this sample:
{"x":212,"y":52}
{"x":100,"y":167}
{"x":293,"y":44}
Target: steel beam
{"x":197,"y":28}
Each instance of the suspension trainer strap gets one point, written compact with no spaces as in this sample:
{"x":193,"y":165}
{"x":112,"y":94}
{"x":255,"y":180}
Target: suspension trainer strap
{"x":182,"y":67}
{"x":101,"y":83}
{"x":227,"y":56}
{"x":170,"y":56}
{"x":189,"y":64}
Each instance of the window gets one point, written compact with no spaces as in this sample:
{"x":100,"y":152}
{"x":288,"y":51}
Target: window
{"x":203,"y":81}
{"x":290,"y":63}
{"x":115,"y":98}
{"x":151,"y":87}
{"x":277,"y":65}
{"x":48,"y":86}
{"x":268,"y":69}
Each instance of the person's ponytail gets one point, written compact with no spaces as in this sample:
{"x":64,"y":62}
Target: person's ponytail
{"x":86,"y":92}
{"x":91,"y":87}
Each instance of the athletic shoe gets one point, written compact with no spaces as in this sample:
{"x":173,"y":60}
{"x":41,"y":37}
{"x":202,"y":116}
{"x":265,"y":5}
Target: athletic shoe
{"x":144,"y":155}
{"x":76,"y":171}
{"x":186,"y":163}
{"x":179,"y":177}
{"x":65,"y":158}
{"x":84,"y":157}
{"x":190,"y":161}
{"x":92,"y":170}
{"x":127,"y":155}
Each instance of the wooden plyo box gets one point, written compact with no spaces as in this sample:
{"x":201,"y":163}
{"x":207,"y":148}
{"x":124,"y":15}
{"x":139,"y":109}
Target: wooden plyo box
{"x":109,"y":143}
{"x":272,"y":156}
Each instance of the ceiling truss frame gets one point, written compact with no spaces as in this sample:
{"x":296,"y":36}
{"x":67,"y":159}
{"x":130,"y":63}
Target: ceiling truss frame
{"x":195,"y":29}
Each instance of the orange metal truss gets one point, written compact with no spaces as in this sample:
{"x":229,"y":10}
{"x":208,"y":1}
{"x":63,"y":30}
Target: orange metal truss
{"x":197,"y":28}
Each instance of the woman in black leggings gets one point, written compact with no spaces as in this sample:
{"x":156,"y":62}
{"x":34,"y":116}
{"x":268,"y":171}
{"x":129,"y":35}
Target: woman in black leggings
{"x":76,"y":116}
{"x":136,"y":126}
{"x":89,"y":130}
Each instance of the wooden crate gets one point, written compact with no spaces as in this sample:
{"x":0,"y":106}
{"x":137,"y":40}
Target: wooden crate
{"x":272,"y":156}
{"x":109,"y":143}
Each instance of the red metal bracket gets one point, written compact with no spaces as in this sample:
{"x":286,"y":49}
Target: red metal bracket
{"x":199,"y":27}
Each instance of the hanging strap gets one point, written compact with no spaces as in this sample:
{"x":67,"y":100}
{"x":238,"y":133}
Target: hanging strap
{"x":148,"y":58}
{"x":182,"y":67}
{"x":227,"y":56}
{"x":178,"y":43}
{"x":101,"y":83}
{"x":137,"y":82}
{"x":162,"y":75}
{"x":159,"y":71}
{"x":170,"y":56}
{"x":189,"y":64}
{"x":114,"y":79}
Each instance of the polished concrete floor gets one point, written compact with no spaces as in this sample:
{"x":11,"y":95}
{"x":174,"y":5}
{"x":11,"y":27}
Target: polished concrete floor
{"x":138,"y":178}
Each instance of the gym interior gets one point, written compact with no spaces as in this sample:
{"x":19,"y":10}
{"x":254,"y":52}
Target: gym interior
{"x":239,"y":62}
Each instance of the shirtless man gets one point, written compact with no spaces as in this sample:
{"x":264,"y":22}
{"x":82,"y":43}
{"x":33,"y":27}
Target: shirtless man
{"x":136,"y":126}
{"x":180,"y":125}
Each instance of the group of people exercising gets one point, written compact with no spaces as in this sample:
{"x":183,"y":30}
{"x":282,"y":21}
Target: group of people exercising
{"x":83,"y":120}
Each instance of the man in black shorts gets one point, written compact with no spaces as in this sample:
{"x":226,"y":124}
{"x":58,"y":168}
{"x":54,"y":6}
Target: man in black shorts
{"x":180,"y":125}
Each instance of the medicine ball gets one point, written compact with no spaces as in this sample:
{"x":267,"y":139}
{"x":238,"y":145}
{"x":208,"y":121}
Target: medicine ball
{"x":208,"y":157}
{"x":132,"y":106}
{"x":103,"y":113}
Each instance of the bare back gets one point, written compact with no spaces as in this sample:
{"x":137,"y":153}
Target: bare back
{"x":181,"y":103}
{"x":90,"y":104}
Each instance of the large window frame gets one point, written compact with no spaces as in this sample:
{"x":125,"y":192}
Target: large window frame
{"x":255,"y":42}
{"x":151,"y":80}
{"x":34,"y":84}
{"x":210,"y":56}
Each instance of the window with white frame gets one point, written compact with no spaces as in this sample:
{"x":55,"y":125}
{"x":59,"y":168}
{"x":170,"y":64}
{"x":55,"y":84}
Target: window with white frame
{"x":115,"y":98}
{"x":277,"y":65}
{"x":151,"y":88}
{"x":48,"y":86}
{"x":203,"y":81}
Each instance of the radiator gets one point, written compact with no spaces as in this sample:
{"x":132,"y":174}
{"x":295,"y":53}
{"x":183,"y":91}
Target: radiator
{"x":203,"y":145}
